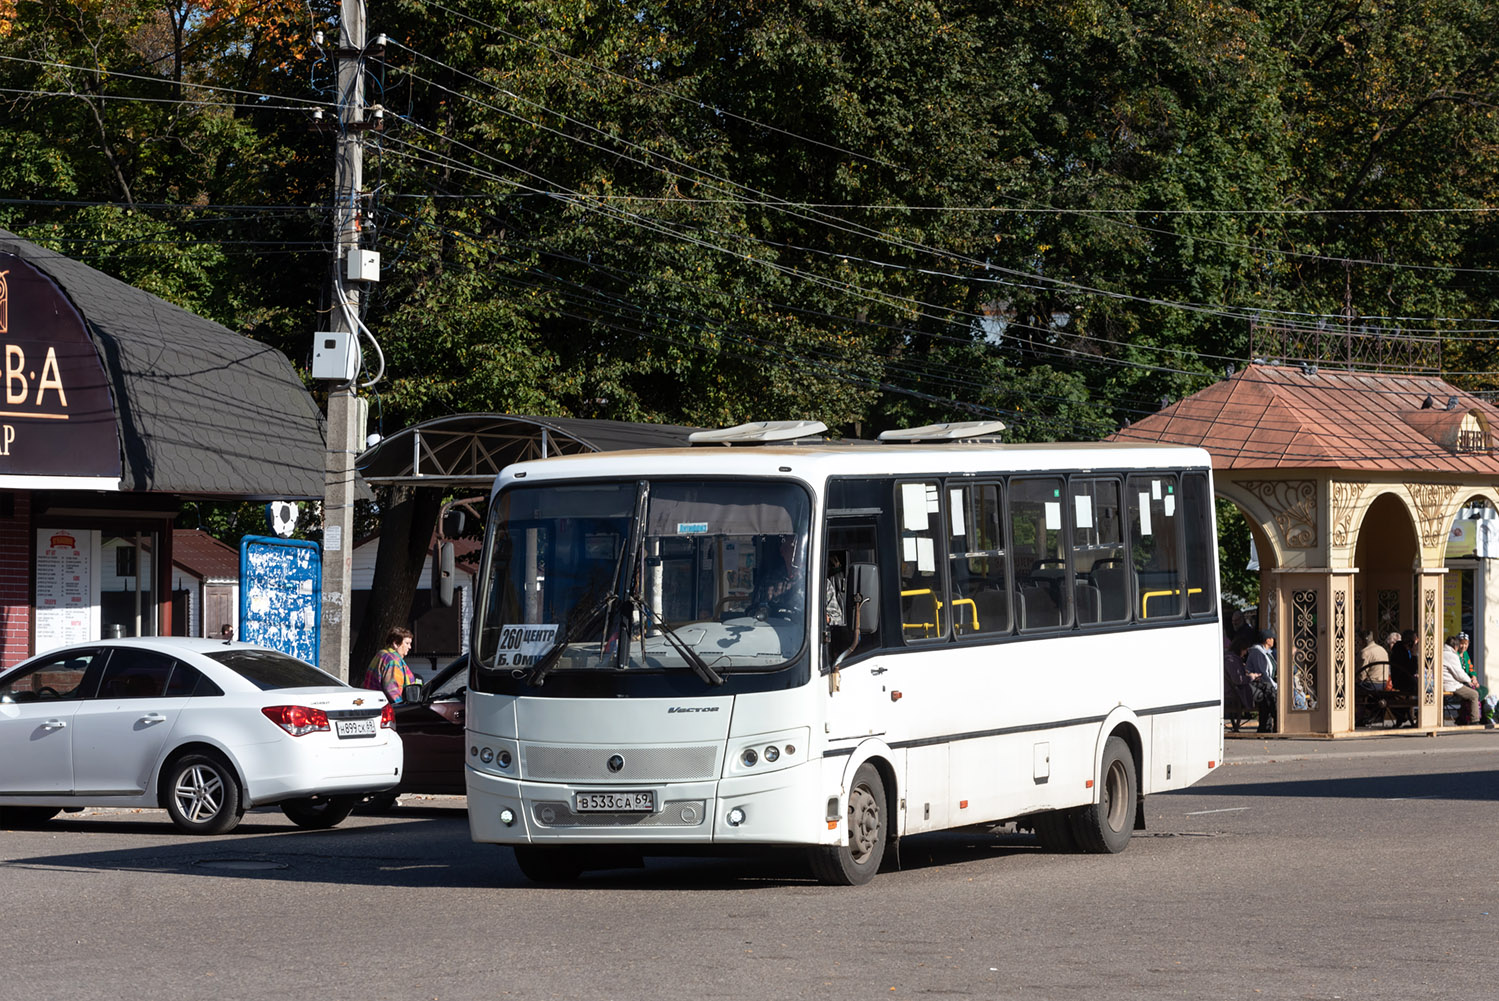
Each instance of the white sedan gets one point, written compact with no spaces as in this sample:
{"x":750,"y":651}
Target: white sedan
{"x":202,"y":728}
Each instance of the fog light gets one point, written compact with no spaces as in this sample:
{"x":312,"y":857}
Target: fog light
{"x":749,"y":757}
{"x":772,"y":752}
{"x":486,"y":755}
{"x":507,"y":816}
{"x":735,"y":816}
{"x":503,"y":757}
{"x":473,"y":751}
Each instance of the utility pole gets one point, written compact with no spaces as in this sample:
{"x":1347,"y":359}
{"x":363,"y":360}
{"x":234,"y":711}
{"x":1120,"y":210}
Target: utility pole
{"x":344,"y":422}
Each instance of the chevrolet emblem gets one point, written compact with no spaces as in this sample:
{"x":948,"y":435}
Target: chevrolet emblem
{"x":359,"y":702}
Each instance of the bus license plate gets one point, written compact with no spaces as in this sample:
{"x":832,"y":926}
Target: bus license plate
{"x":615,"y":802}
{"x":354,"y":727}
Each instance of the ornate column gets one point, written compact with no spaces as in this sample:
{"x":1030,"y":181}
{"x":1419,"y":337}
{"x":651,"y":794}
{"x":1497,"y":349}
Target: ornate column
{"x":1429,"y":646}
{"x":1338,"y":693}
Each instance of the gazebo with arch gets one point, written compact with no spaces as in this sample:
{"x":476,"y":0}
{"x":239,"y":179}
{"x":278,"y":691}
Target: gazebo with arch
{"x":1352,"y":483}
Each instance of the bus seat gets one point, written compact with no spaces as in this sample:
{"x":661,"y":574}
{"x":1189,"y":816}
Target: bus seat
{"x":993,"y":610}
{"x":1039,"y":610}
{"x":1089,"y":602}
{"x":1112,"y":583}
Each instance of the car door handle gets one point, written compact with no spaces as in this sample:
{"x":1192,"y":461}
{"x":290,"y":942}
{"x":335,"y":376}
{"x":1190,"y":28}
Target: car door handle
{"x":153,"y":718}
{"x":878,"y":670}
{"x":53,"y":724}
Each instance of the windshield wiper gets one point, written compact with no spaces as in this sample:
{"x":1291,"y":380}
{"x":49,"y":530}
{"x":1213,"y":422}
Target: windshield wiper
{"x":580,"y":625}
{"x":699,"y":666}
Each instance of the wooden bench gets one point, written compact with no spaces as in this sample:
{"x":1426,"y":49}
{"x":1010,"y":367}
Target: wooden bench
{"x":1375,"y":708}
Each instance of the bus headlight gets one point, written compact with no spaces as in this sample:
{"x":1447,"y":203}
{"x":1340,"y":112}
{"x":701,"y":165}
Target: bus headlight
{"x":763,"y":752}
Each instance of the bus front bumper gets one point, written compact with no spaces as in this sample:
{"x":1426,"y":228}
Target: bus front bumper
{"x":785,"y":806}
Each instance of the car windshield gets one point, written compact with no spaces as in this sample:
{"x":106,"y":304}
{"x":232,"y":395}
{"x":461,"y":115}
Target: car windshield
{"x":268,"y":670}
{"x":646,"y":575}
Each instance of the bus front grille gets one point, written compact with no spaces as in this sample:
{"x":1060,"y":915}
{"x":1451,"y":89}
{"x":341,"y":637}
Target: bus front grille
{"x":674,"y":763}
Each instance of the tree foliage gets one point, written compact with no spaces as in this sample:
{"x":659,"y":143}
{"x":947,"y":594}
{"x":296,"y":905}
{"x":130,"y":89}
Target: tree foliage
{"x":873,"y":213}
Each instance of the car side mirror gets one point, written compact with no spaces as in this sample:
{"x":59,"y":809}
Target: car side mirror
{"x":413,"y":692}
{"x":864,"y":597}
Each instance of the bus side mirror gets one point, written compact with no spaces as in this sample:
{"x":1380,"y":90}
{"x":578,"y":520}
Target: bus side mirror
{"x":442,"y":575}
{"x":864,"y":595}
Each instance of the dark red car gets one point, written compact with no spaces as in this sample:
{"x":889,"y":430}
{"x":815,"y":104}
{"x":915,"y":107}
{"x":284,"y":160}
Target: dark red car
{"x":432,"y":734}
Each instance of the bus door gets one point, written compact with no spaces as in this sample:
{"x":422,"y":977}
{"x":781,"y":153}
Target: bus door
{"x":858,"y":676}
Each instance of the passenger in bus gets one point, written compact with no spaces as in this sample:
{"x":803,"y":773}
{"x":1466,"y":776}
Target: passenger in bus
{"x":1260,"y":665}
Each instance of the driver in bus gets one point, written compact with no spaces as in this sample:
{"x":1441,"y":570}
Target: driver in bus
{"x":786,"y":588}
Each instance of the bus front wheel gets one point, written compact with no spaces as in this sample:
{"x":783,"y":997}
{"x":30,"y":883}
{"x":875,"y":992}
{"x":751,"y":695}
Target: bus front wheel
{"x":855,"y":862}
{"x":1106,"y":826}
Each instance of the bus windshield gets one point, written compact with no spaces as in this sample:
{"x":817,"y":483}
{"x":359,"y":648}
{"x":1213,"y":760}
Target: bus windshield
{"x":701,"y":575}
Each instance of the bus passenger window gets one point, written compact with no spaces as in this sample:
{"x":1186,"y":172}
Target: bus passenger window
{"x":923,"y":605}
{"x":1152,"y":502}
{"x":1043,"y":589}
{"x":1201,"y":553}
{"x":978,"y":568}
{"x":1099,"y":563}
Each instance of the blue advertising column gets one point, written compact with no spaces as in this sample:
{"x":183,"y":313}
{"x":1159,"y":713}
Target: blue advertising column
{"x":280,"y":595}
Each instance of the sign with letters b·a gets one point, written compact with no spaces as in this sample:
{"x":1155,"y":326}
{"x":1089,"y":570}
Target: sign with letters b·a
{"x":56,"y":415}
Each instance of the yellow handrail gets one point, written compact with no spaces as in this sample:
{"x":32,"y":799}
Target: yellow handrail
{"x":1145,"y":598}
{"x":927,"y":626}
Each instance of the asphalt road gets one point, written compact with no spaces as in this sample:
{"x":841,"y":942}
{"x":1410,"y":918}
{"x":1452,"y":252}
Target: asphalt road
{"x":1300,"y":869}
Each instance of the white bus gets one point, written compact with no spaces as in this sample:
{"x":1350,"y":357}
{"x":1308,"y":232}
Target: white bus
{"x":833,"y":644}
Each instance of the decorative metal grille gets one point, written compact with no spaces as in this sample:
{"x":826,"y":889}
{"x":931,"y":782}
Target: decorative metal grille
{"x":1429,"y":646}
{"x":1339,"y":653}
{"x":1347,"y":345}
{"x":1304,"y":649}
{"x":1389,"y":613}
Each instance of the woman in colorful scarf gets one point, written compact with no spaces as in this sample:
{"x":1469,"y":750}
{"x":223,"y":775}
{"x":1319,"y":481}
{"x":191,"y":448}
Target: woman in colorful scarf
{"x":388,"y":671}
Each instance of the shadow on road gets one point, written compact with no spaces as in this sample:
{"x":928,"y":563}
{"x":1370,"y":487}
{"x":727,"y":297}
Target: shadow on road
{"x":1467,"y":785}
{"x":387,"y":855}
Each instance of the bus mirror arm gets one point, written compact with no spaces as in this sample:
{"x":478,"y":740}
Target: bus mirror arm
{"x":858,"y":603}
{"x":864,"y":579}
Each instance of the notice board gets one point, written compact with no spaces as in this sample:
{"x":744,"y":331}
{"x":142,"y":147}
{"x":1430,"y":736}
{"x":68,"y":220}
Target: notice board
{"x":280,"y":594}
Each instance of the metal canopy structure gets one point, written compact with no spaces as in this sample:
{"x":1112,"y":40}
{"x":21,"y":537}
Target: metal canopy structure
{"x":471,"y":449}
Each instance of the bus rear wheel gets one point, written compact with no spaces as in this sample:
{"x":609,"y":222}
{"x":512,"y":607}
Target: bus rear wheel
{"x":1106,"y":826}
{"x":855,"y":862}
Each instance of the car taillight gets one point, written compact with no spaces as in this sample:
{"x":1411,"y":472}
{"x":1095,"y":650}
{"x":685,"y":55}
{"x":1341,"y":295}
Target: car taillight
{"x":388,"y":715}
{"x":297,"y":720}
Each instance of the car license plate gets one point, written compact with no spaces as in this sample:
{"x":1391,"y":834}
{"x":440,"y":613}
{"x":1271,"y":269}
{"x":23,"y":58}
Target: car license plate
{"x":354,"y":727}
{"x":615,"y":802}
